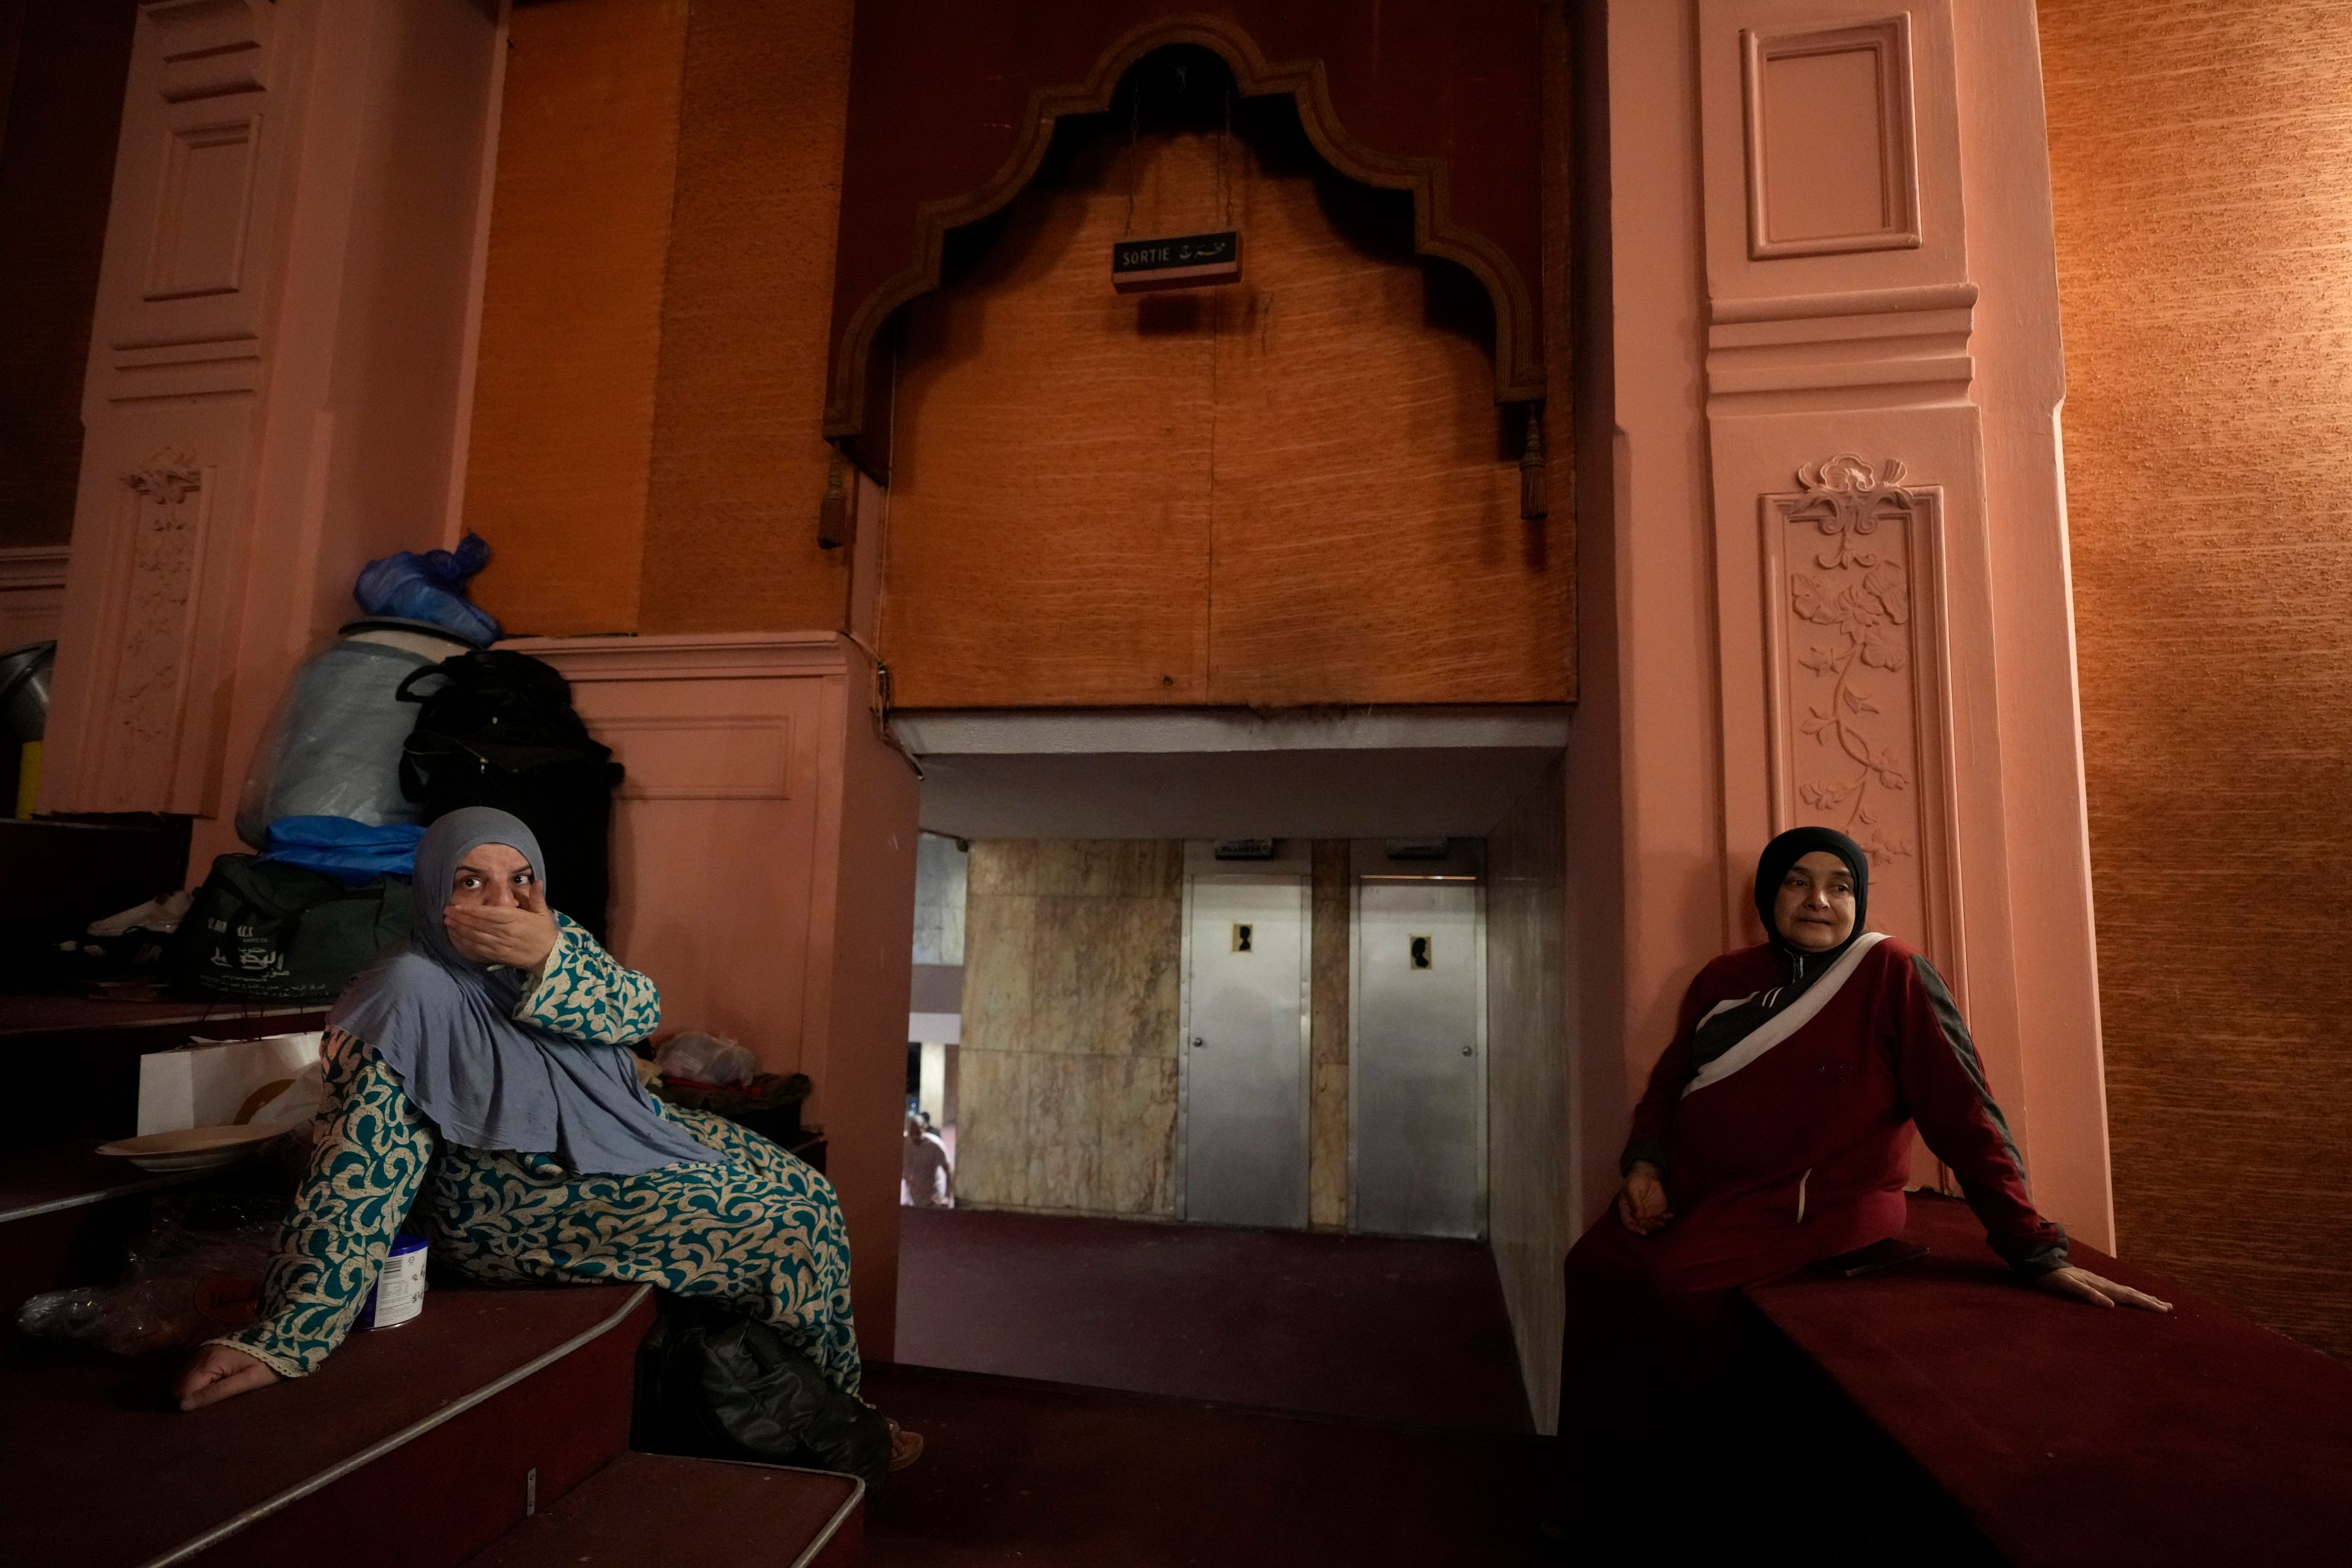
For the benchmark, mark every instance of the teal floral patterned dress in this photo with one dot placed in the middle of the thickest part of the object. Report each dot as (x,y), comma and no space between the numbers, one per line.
(761,1229)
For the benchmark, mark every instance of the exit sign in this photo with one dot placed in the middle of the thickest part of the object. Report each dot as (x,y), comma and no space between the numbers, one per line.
(1184,261)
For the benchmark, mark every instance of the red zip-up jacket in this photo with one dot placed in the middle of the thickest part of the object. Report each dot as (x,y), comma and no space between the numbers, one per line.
(1803,1153)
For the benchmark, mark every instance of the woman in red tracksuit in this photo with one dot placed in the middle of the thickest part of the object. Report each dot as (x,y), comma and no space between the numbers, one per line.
(1776,1131)
(1776,1128)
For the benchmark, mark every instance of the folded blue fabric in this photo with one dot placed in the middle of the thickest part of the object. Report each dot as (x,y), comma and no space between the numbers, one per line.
(430,586)
(352,853)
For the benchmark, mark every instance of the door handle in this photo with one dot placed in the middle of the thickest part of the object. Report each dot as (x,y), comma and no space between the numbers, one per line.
(1465,1050)
(1198,1042)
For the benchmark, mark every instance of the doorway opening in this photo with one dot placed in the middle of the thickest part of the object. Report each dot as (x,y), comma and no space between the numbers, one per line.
(1224,1027)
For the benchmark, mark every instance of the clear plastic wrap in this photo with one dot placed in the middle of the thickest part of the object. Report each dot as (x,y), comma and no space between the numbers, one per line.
(332,749)
(711,1059)
(198,1272)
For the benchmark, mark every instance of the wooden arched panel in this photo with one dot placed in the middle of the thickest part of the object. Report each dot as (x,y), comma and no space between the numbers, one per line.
(1296,489)
(952,107)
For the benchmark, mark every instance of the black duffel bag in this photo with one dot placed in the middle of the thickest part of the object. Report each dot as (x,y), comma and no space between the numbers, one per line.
(714,1384)
(284,933)
(498,728)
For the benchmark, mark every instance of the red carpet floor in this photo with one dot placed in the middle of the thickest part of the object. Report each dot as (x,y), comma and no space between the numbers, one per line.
(1066,1478)
(1362,1327)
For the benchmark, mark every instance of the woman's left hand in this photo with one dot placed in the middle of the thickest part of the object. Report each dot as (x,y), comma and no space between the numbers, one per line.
(2081,1285)
(521,935)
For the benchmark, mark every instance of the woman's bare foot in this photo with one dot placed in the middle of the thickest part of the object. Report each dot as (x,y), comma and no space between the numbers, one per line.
(906,1447)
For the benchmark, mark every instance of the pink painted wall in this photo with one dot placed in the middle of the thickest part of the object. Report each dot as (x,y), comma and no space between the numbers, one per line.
(2021,386)
(1740,338)
(1645,867)
(276,381)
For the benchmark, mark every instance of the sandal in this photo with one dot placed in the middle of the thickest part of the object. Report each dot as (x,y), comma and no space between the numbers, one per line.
(906,1447)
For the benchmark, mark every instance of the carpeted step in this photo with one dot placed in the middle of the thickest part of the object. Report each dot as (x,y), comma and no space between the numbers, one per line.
(65,1214)
(72,1063)
(414,1446)
(651,1511)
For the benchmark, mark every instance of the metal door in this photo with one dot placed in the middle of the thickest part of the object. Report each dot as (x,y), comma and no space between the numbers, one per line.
(1245,1050)
(1417,1060)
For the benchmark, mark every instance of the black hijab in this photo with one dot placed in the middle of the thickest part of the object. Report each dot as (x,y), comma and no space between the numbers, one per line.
(1725,1029)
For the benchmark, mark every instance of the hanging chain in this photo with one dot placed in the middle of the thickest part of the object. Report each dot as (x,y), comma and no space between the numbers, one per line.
(1134,154)
(1224,180)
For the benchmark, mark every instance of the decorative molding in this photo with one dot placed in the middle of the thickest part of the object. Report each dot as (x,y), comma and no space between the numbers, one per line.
(228,364)
(1955,296)
(1896,357)
(1861,601)
(149,644)
(26,567)
(211,47)
(1519,364)
(744,756)
(168,478)
(1866,347)
(698,656)
(32,594)
(1887,42)
(203,208)
(1860,722)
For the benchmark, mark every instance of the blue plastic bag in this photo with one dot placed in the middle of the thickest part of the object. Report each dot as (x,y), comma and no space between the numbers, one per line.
(430,587)
(352,853)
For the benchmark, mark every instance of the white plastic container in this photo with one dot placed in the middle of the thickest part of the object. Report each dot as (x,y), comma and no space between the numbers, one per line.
(399,1293)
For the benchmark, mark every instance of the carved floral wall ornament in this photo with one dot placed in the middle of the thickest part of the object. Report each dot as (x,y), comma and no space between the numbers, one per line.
(1857,601)
(167,546)
(168,477)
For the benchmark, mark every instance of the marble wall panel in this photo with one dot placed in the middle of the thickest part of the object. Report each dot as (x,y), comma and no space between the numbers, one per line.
(1100,867)
(940,876)
(991,1127)
(996,967)
(1067,1099)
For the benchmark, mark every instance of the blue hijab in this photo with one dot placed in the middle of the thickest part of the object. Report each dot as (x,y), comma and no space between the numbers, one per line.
(446,1027)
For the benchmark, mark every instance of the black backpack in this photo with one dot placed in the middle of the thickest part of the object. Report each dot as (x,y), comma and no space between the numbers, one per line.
(498,729)
(265,929)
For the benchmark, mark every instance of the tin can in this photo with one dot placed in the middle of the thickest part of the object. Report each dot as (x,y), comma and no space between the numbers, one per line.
(399,1293)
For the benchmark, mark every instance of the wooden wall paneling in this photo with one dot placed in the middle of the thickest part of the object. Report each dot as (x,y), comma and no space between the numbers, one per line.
(2201,159)
(1294,490)
(1048,535)
(952,107)
(1365,487)
(557,473)
(62,66)
(738,459)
